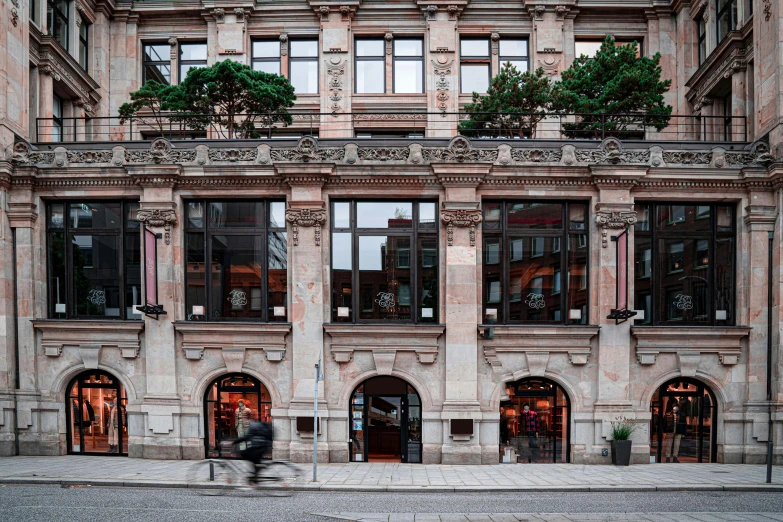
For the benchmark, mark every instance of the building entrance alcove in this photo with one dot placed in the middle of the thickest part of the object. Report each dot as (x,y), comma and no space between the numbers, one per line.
(684,416)
(95,411)
(535,422)
(385,417)
(230,403)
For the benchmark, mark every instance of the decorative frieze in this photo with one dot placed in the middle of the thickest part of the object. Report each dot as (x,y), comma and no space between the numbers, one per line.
(158,215)
(462,215)
(304,214)
(307,150)
(610,218)
(335,72)
(442,67)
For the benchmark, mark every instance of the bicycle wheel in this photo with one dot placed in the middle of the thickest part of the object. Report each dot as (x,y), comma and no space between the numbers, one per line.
(213,477)
(277,478)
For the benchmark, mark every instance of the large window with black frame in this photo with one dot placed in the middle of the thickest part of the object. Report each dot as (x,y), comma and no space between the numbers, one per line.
(236,261)
(94,260)
(684,263)
(384,261)
(535,262)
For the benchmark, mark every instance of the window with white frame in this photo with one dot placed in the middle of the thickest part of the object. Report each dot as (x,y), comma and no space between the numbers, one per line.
(266,56)
(191,56)
(370,66)
(474,65)
(303,66)
(408,66)
(514,50)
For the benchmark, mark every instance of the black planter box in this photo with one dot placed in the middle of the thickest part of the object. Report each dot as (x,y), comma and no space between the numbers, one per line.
(621,452)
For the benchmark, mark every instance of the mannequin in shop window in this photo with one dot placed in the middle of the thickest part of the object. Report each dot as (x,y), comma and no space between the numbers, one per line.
(242,421)
(675,427)
(529,422)
(113,425)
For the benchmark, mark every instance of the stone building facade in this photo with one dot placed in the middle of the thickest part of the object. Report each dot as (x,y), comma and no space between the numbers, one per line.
(457,292)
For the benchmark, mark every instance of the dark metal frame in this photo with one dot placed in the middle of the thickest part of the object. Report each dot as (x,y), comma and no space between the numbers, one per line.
(618,40)
(121,233)
(504,59)
(155,310)
(404,406)
(621,315)
(412,233)
(701,39)
(729,10)
(553,394)
(700,388)
(419,59)
(84,41)
(266,59)
(657,271)
(378,58)
(57,121)
(208,232)
(313,59)
(565,234)
(145,62)
(475,60)
(55,12)
(256,388)
(181,62)
(119,390)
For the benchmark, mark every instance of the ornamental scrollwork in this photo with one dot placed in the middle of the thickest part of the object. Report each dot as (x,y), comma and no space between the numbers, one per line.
(460,151)
(335,71)
(683,302)
(442,71)
(611,219)
(395,154)
(157,217)
(537,155)
(89,156)
(686,157)
(233,155)
(306,217)
(307,150)
(463,218)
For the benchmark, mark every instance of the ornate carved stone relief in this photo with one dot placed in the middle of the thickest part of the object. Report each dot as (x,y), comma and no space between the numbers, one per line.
(460,150)
(307,150)
(306,217)
(384,154)
(442,68)
(463,217)
(158,217)
(335,70)
(607,218)
(233,155)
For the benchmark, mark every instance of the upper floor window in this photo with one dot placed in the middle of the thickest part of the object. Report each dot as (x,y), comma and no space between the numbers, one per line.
(590,47)
(514,51)
(57,118)
(84,51)
(370,66)
(408,66)
(157,63)
(236,261)
(57,14)
(303,66)
(474,65)
(191,56)
(535,262)
(384,261)
(702,34)
(727,18)
(94,260)
(34,11)
(266,56)
(684,259)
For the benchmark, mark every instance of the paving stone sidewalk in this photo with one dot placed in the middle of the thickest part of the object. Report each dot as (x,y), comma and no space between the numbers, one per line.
(554,517)
(410,477)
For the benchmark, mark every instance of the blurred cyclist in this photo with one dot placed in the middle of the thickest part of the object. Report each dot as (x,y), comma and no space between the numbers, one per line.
(259,442)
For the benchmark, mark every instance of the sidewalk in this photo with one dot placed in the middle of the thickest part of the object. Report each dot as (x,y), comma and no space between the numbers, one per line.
(121,471)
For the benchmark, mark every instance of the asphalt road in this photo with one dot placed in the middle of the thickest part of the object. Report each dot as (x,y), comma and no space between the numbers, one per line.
(69,504)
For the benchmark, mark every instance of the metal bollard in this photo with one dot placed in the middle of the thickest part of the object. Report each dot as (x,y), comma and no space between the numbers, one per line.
(211,471)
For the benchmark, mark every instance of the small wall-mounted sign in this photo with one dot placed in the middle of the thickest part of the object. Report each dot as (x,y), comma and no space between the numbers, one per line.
(426,313)
(198,310)
(343,311)
(305,424)
(720,315)
(462,426)
(279,311)
(575,314)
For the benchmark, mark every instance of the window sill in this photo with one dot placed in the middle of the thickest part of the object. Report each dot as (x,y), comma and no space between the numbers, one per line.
(233,339)
(385,341)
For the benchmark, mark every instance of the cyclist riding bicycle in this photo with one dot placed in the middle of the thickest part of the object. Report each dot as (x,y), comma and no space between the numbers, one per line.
(259,438)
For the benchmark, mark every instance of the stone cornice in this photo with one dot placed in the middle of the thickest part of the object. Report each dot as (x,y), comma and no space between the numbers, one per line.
(689,344)
(728,57)
(384,341)
(233,340)
(21,214)
(89,338)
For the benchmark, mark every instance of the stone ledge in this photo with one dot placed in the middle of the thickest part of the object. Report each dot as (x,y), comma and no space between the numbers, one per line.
(384,341)
(690,343)
(537,342)
(233,339)
(89,337)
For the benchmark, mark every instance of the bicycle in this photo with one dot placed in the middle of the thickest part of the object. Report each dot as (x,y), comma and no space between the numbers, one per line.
(216,477)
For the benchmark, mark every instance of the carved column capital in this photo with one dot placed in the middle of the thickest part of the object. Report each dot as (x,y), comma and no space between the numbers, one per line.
(608,216)
(462,215)
(389,39)
(306,214)
(158,215)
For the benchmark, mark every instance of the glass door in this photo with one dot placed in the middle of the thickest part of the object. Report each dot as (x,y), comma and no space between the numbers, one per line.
(683,415)
(97,415)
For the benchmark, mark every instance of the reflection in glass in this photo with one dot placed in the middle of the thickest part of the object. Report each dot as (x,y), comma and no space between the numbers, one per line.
(304,76)
(384,214)
(237,266)
(384,265)
(231,403)
(577,278)
(277,278)
(428,278)
(685,282)
(370,75)
(96,407)
(195,292)
(474,78)
(96,275)
(532,295)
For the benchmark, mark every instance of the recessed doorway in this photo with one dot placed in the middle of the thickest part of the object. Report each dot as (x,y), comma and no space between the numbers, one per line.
(96,414)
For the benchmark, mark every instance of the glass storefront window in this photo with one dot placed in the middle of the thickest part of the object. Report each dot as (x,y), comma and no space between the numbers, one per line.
(246,245)
(683,413)
(684,265)
(535,262)
(94,260)
(97,415)
(384,261)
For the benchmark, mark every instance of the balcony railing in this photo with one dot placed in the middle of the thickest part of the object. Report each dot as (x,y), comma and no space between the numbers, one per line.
(385,125)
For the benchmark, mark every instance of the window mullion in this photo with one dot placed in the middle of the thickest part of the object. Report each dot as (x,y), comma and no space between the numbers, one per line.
(121,261)
(265,264)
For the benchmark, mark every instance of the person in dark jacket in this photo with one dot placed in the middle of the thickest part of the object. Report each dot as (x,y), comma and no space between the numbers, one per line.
(259,441)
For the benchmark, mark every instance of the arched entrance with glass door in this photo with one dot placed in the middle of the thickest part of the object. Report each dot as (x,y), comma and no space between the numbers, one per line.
(95,412)
(684,416)
(535,422)
(385,421)
(230,403)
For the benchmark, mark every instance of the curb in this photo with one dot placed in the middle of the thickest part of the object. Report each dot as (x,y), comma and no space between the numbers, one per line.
(601,488)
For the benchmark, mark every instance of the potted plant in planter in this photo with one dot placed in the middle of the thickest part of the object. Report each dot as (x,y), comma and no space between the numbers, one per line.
(622,429)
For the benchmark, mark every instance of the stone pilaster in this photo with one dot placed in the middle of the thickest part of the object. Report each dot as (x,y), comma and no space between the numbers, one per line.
(461,215)
(307,216)
(7,327)
(738,102)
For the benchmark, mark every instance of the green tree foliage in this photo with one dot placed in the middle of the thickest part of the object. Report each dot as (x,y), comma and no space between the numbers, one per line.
(610,91)
(148,105)
(514,105)
(228,97)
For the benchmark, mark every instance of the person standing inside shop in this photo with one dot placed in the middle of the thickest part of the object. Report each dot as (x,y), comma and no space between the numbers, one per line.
(676,427)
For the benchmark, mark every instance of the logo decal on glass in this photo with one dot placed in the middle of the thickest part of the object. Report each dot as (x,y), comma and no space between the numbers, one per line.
(385,300)
(97,297)
(535,301)
(237,298)
(683,302)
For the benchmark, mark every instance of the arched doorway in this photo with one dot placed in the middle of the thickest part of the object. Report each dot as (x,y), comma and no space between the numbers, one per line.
(385,417)
(230,403)
(95,411)
(684,415)
(535,422)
